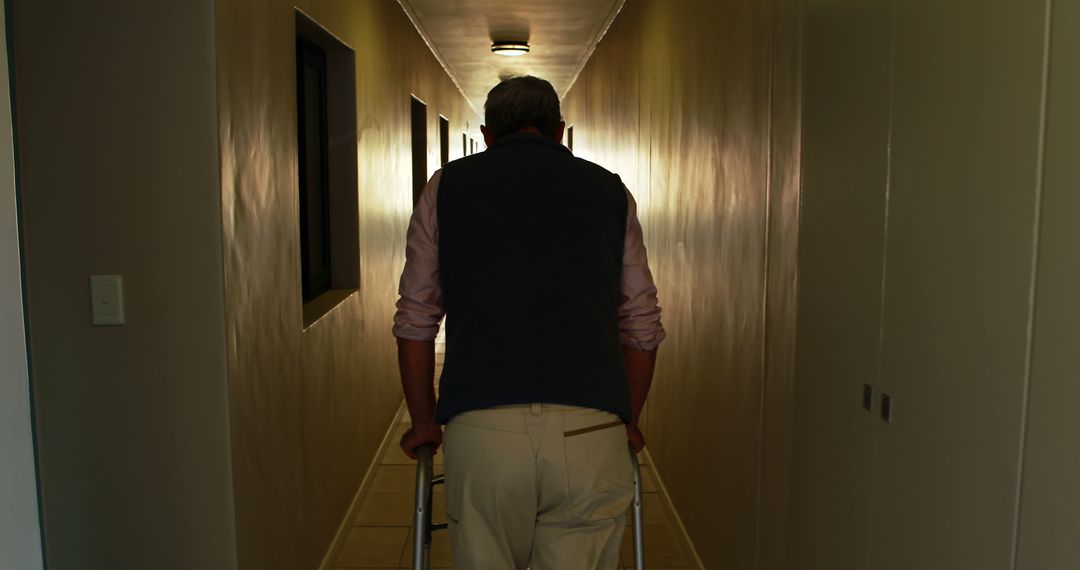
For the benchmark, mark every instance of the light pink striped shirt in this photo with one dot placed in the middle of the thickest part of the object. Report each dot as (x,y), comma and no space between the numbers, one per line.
(420,306)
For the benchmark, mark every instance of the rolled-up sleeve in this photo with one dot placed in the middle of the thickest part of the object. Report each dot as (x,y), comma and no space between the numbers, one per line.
(420,302)
(639,312)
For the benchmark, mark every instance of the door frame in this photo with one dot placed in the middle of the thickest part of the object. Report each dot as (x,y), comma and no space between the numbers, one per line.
(21,544)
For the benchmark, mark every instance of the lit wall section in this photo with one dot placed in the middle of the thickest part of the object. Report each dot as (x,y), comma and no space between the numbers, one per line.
(309,407)
(696,104)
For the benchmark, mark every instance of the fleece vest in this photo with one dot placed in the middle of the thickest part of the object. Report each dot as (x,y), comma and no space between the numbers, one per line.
(530,258)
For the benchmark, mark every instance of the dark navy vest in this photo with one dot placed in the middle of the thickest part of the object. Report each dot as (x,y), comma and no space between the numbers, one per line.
(530,257)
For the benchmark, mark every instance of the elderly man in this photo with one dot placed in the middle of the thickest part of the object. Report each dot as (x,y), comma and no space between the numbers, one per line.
(537,261)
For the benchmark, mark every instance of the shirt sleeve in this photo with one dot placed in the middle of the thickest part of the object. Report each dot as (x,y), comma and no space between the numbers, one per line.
(420,302)
(639,312)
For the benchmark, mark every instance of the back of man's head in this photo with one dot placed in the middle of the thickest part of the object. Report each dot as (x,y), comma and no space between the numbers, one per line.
(522,102)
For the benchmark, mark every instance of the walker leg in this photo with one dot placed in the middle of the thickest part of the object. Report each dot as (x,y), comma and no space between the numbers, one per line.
(638,514)
(422,512)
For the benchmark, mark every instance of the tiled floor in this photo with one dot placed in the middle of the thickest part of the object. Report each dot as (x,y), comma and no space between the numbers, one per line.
(381,534)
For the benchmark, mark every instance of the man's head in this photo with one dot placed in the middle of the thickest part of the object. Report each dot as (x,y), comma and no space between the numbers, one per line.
(522,104)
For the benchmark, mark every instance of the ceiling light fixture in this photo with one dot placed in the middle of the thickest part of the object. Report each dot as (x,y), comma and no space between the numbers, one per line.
(510,48)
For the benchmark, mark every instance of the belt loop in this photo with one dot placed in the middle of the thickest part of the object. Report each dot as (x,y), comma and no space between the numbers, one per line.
(536,409)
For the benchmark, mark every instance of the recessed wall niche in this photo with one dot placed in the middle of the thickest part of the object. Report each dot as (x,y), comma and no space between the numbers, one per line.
(326,164)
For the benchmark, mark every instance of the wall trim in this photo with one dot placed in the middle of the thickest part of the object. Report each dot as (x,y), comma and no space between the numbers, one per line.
(338,542)
(435,52)
(673,515)
(615,10)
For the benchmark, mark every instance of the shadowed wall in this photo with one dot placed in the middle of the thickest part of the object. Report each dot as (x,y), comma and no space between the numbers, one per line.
(118,166)
(938,264)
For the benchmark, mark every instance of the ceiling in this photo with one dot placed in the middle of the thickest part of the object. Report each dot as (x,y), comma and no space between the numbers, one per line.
(561,33)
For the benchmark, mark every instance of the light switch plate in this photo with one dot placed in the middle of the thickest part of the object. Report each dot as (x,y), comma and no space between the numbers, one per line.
(107,299)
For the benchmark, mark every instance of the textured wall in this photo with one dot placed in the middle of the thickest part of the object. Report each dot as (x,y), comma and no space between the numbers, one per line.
(117,132)
(310,406)
(696,105)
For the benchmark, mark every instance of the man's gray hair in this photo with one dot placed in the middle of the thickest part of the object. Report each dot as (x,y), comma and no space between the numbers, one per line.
(521,102)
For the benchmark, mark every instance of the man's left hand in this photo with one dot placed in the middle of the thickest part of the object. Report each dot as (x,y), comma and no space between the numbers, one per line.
(634,436)
(417,436)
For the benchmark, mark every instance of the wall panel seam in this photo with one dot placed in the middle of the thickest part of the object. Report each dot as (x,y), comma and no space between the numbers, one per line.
(1040,172)
(765,298)
(884,278)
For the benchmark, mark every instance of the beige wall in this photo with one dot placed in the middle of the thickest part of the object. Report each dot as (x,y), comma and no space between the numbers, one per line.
(1050,508)
(310,407)
(119,174)
(696,105)
(845,137)
(923,172)
(20,534)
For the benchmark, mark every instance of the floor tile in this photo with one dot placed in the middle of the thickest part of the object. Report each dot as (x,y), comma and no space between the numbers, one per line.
(372,547)
(653,509)
(385,509)
(441,556)
(648,482)
(395,456)
(394,479)
(662,548)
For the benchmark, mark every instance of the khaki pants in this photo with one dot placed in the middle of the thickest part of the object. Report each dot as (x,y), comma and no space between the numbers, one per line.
(543,486)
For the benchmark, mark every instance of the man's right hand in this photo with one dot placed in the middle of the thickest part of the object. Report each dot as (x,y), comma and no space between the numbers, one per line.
(420,435)
(634,436)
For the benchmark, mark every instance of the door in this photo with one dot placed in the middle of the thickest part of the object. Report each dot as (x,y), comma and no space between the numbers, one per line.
(968,89)
(841,247)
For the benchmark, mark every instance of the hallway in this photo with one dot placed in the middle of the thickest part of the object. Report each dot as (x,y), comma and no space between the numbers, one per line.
(860,216)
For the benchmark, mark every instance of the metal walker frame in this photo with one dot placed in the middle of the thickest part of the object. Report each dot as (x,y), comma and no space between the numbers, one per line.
(423,526)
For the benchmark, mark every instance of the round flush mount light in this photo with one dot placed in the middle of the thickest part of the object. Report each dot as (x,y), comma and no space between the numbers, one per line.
(510,48)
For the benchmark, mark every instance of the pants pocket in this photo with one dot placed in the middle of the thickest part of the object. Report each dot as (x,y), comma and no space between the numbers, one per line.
(599,473)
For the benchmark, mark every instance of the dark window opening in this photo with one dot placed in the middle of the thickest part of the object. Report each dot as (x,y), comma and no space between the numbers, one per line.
(326,162)
(419,147)
(314,168)
(570,138)
(444,140)
(464,145)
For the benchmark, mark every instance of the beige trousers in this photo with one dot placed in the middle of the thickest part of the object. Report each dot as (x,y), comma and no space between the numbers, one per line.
(540,486)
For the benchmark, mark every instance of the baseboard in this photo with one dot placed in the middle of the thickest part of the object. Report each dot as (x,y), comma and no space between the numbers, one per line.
(350,515)
(673,515)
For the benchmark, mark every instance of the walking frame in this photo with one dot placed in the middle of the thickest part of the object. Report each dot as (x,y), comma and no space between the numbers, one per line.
(423,525)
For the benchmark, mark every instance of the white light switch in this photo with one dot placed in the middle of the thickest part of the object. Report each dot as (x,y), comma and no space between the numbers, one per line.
(107,299)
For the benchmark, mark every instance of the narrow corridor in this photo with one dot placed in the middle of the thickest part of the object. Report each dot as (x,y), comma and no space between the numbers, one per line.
(860,216)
